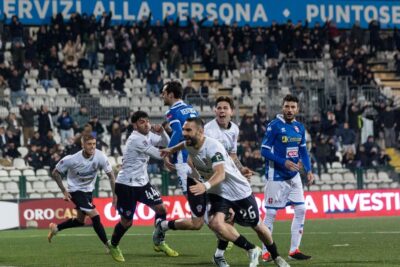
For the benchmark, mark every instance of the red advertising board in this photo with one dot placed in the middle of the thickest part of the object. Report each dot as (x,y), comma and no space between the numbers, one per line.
(320,205)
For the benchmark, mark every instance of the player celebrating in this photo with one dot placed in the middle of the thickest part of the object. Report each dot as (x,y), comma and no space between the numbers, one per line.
(284,145)
(177,114)
(133,184)
(81,169)
(226,189)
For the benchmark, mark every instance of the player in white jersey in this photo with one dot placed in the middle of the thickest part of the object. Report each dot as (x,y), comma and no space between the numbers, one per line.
(133,183)
(226,189)
(81,170)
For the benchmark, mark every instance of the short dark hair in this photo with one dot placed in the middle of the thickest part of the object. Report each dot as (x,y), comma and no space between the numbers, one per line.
(174,87)
(225,99)
(139,115)
(197,120)
(87,137)
(290,98)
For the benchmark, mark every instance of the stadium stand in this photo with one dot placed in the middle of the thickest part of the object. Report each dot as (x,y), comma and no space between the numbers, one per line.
(99,75)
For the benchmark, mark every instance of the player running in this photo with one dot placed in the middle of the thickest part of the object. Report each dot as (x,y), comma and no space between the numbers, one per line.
(133,184)
(81,169)
(284,145)
(226,189)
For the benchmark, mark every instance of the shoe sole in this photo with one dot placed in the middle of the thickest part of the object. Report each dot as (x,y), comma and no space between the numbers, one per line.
(291,258)
(213,261)
(157,249)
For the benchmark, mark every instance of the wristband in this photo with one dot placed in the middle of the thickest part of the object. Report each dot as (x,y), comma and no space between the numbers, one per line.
(207,185)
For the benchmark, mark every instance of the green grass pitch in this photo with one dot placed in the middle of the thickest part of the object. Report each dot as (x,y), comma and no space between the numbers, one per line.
(346,242)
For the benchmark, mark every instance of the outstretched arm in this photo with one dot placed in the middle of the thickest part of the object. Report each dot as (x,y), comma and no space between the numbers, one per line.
(57,177)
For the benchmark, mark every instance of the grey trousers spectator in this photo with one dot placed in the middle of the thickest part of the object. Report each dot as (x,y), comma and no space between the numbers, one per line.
(390,137)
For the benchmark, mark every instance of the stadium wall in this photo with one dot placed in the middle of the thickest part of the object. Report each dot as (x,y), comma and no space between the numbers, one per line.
(252,12)
(320,205)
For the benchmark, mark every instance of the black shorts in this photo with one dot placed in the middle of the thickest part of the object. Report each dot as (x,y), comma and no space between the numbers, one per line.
(198,204)
(83,200)
(128,196)
(246,210)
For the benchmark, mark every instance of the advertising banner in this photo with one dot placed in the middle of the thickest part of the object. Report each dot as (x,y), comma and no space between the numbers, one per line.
(9,215)
(320,205)
(252,12)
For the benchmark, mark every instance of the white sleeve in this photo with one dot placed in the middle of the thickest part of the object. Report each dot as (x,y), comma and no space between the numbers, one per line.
(217,154)
(63,165)
(105,164)
(160,140)
(235,140)
(143,146)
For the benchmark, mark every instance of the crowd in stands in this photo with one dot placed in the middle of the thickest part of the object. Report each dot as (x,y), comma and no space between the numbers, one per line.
(63,49)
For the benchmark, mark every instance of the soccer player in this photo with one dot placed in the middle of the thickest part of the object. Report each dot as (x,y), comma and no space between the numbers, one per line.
(81,169)
(284,146)
(176,116)
(226,189)
(133,184)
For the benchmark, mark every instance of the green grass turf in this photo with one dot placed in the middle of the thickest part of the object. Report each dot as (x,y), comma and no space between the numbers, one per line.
(345,242)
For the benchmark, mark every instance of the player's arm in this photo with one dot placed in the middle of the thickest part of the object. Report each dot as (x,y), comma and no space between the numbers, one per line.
(57,177)
(218,176)
(305,159)
(111,177)
(176,136)
(165,152)
(244,170)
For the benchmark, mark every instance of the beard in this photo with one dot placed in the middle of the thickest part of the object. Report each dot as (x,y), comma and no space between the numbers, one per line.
(191,141)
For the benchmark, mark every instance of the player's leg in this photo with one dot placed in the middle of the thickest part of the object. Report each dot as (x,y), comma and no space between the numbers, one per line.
(276,194)
(247,214)
(296,197)
(182,171)
(97,225)
(126,205)
(79,199)
(159,236)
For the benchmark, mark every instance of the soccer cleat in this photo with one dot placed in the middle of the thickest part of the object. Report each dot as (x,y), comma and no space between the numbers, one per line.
(297,255)
(266,257)
(230,246)
(52,231)
(279,261)
(158,234)
(254,254)
(220,261)
(115,252)
(163,247)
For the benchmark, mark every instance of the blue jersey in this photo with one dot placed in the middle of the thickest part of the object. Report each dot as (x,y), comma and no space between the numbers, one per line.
(176,116)
(284,141)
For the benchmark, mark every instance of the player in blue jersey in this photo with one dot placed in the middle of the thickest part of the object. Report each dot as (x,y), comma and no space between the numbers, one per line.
(176,116)
(284,147)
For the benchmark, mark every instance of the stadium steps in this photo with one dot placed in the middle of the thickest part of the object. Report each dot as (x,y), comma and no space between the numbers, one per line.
(394,154)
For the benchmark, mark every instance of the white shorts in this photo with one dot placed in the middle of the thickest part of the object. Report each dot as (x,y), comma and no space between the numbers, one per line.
(182,170)
(279,194)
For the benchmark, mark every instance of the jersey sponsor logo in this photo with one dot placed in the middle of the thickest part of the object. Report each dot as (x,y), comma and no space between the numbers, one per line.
(218,157)
(292,152)
(285,139)
(269,129)
(296,129)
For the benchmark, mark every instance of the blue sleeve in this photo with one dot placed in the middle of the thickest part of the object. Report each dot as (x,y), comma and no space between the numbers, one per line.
(305,159)
(267,144)
(176,137)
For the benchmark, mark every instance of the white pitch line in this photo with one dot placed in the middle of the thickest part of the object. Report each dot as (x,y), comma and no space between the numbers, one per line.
(194,233)
(340,245)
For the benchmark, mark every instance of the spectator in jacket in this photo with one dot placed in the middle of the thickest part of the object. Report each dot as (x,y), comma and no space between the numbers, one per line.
(45,120)
(45,77)
(174,62)
(153,79)
(65,125)
(33,158)
(348,138)
(80,119)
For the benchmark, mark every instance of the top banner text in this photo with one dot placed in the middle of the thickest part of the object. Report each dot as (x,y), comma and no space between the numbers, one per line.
(252,12)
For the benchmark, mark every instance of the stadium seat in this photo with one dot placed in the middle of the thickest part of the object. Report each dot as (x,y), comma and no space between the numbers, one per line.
(48,195)
(337,178)
(314,187)
(4,175)
(103,194)
(326,178)
(34,195)
(326,187)
(52,186)
(349,177)
(42,172)
(371,176)
(336,165)
(14,175)
(12,187)
(394,185)
(349,186)
(383,177)
(23,151)
(2,188)
(337,187)
(372,186)
(29,174)
(7,196)
(105,185)
(39,187)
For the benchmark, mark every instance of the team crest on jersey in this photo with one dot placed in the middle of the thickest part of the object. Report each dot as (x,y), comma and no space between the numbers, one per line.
(199,208)
(270,200)
(296,129)
(269,129)
(169,116)
(145,143)
(128,213)
(283,130)
(94,167)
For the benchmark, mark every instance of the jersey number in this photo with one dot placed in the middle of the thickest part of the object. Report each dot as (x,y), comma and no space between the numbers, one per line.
(153,194)
(249,213)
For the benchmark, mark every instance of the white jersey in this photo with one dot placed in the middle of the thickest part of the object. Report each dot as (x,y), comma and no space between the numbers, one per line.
(235,186)
(227,137)
(139,148)
(81,171)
